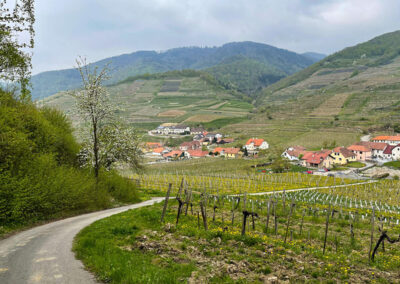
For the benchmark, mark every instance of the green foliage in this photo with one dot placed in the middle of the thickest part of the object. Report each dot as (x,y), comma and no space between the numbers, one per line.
(39,176)
(393,164)
(261,64)
(221,122)
(375,52)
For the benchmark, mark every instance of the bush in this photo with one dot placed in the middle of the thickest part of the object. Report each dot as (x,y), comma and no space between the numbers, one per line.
(39,175)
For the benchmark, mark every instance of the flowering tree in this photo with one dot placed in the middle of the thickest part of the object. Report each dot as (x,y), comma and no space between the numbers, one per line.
(107,141)
(15,60)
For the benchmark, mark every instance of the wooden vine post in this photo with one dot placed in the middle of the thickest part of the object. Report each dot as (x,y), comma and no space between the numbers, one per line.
(166,202)
(372,232)
(326,227)
(288,221)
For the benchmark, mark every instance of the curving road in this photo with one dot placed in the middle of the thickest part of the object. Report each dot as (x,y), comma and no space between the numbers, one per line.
(43,254)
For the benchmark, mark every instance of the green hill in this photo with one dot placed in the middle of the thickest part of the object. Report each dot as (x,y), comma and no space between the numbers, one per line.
(351,92)
(188,96)
(271,64)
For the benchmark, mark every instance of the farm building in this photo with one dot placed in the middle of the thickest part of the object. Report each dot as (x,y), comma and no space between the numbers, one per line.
(191,145)
(362,152)
(294,153)
(320,159)
(391,140)
(342,156)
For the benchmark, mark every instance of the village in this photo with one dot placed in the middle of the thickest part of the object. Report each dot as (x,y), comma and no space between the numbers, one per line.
(378,150)
(204,144)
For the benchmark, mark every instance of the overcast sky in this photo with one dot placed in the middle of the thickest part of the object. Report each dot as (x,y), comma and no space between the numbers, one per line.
(102,28)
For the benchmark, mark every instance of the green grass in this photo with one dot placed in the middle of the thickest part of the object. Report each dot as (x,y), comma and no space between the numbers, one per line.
(355,165)
(134,247)
(221,122)
(102,248)
(393,164)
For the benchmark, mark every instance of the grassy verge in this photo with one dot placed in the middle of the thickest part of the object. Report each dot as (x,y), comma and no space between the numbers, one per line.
(393,164)
(355,165)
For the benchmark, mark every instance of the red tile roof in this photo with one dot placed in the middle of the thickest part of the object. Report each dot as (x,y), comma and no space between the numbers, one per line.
(173,153)
(345,152)
(197,153)
(231,150)
(218,149)
(257,142)
(373,145)
(316,157)
(387,138)
(389,149)
(361,148)
(158,150)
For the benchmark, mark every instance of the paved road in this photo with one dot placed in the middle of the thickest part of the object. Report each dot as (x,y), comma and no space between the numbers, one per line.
(43,254)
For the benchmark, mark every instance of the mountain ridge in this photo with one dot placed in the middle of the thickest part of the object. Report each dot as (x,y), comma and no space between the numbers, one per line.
(197,58)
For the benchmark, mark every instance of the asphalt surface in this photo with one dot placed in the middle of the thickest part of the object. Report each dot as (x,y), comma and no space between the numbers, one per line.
(43,254)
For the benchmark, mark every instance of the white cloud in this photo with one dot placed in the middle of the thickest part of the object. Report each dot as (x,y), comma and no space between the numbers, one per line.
(100,29)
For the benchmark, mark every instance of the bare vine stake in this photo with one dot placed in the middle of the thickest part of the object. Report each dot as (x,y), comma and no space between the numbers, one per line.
(204,214)
(166,202)
(288,221)
(198,219)
(326,227)
(372,232)
(275,220)
(233,211)
(268,209)
(302,221)
(284,200)
(252,215)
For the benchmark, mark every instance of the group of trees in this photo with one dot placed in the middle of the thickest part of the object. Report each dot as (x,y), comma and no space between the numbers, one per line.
(44,172)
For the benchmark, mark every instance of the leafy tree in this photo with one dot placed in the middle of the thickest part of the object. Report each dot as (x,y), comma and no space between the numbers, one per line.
(15,61)
(107,141)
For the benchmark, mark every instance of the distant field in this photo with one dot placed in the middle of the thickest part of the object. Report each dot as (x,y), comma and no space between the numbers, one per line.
(331,106)
(171,113)
(203,118)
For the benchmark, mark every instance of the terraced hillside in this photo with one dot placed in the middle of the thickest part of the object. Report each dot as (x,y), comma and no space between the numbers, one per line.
(351,92)
(169,97)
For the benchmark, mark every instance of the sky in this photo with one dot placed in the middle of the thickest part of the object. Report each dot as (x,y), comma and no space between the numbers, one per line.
(98,29)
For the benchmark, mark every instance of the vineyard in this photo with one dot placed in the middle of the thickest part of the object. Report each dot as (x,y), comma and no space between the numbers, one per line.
(251,228)
(237,184)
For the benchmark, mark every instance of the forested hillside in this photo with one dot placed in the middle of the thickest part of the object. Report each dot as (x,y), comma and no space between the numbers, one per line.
(39,172)
(226,63)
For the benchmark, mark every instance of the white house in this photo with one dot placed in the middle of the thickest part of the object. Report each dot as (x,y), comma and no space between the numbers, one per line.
(255,144)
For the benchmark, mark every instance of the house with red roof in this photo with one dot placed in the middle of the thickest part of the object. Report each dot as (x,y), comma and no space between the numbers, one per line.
(294,153)
(377,149)
(196,154)
(362,152)
(319,159)
(254,144)
(232,153)
(391,153)
(174,154)
(191,145)
(342,156)
(159,151)
(391,140)
(228,152)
